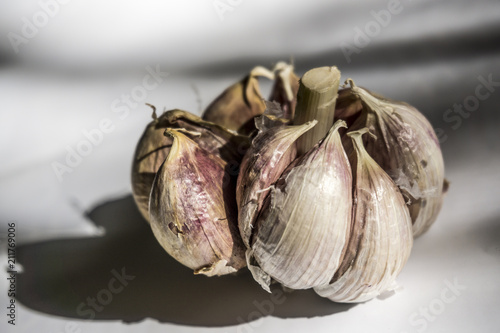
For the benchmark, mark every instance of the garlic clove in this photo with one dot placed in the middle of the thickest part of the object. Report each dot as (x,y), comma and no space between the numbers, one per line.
(405,146)
(303,226)
(285,88)
(236,107)
(270,154)
(193,210)
(381,236)
(153,148)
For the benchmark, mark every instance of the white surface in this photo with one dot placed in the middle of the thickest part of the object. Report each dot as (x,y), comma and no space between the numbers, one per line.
(65,80)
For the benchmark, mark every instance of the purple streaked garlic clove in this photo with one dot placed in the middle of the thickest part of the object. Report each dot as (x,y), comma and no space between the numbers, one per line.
(193,211)
(153,148)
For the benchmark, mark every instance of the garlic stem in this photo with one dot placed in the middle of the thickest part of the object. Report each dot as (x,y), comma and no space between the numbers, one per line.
(316,101)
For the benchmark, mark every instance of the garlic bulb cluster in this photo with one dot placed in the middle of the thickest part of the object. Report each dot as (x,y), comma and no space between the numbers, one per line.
(317,188)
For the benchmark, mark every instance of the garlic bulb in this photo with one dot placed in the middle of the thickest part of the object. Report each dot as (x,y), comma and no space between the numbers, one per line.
(405,146)
(381,237)
(309,202)
(193,211)
(236,107)
(154,146)
(304,223)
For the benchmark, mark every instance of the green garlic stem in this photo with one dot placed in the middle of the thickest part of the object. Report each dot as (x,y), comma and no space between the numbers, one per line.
(316,101)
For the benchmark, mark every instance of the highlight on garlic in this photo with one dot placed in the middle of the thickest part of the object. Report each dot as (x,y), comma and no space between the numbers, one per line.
(319,187)
(299,239)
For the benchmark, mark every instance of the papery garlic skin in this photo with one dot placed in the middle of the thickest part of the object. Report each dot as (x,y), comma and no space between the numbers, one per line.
(406,147)
(381,236)
(271,152)
(348,106)
(153,148)
(236,106)
(284,91)
(304,223)
(193,211)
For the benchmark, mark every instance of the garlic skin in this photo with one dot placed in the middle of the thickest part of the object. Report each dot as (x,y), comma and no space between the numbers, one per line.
(405,145)
(271,152)
(193,211)
(303,226)
(381,236)
(348,106)
(236,107)
(153,148)
(285,88)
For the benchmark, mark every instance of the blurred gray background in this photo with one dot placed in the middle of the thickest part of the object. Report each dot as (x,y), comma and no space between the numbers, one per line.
(68,67)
